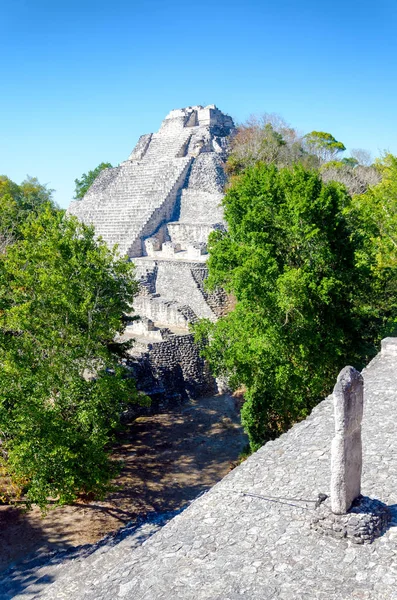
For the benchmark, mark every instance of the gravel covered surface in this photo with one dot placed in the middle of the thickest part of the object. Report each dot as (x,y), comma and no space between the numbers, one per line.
(250,537)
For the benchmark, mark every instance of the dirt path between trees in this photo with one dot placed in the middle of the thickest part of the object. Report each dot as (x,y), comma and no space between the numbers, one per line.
(169,458)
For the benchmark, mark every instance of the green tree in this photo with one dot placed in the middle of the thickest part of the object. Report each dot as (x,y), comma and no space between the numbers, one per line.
(87,179)
(350,161)
(288,259)
(33,195)
(62,388)
(355,177)
(373,217)
(269,139)
(376,214)
(17,203)
(323,145)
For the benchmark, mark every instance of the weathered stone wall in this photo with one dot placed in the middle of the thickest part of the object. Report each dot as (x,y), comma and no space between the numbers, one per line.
(175,281)
(179,357)
(140,149)
(188,233)
(159,206)
(129,202)
(178,281)
(163,312)
(207,174)
(172,369)
(160,215)
(217,300)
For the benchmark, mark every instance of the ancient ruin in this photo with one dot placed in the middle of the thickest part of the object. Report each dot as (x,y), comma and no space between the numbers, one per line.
(346,457)
(348,514)
(250,535)
(159,206)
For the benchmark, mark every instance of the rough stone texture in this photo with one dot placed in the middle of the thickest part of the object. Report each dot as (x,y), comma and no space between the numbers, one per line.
(250,537)
(128,203)
(366,520)
(190,233)
(171,367)
(38,571)
(173,296)
(160,206)
(346,454)
(389,346)
(165,312)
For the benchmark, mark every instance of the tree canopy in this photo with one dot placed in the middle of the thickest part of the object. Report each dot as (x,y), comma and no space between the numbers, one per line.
(357,178)
(289,259)
(323,145)
(267,139)
(17,203)
(373,218)
(87,179)
(62,390)
(376,211)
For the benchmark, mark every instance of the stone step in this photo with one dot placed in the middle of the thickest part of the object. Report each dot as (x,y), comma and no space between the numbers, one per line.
(140,193)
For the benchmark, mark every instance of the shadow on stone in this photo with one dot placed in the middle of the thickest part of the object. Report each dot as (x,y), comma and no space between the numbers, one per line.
(366,520)
(29,577)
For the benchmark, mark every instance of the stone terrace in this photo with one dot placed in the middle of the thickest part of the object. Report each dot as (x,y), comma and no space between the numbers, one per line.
(173,175)
(249,536)
(160,206)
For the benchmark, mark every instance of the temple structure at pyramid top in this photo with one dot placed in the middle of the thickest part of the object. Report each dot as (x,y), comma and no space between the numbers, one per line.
(170,185)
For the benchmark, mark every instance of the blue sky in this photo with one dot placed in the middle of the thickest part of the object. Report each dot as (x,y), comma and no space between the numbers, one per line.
(81,80)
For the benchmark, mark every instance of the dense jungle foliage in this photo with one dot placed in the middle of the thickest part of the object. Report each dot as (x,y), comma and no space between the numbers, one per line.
(62,387)
(310,257)
(311,264)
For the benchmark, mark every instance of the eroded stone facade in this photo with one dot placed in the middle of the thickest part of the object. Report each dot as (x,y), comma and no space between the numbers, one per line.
(160,206)
(346,457)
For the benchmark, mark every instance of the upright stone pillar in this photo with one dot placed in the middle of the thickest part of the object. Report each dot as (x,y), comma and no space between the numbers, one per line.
(346,452)
(347,514)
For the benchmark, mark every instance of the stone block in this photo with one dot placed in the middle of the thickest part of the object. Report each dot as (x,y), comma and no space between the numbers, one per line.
(196,250)
(367,519)
(169,249)
(140,326)
(141,147)
(346,451)
(389,346)
(152,245)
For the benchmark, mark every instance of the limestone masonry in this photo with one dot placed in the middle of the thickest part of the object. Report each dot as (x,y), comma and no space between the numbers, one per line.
(250,537)
(346,457)
(159,206)
(348,514)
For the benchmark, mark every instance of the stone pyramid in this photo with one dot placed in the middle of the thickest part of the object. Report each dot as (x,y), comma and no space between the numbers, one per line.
(174,176)
(159,206)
